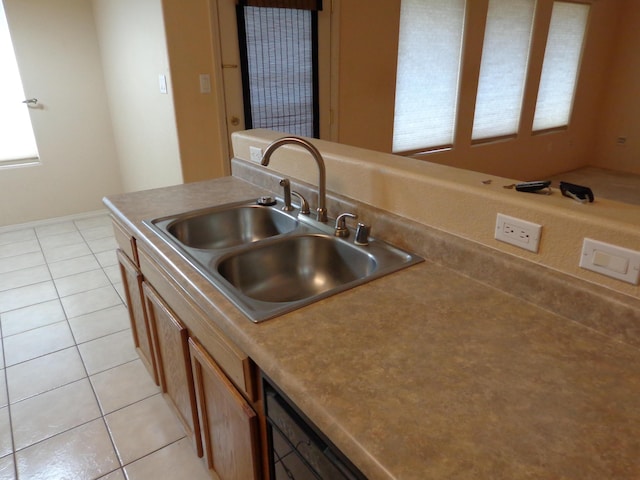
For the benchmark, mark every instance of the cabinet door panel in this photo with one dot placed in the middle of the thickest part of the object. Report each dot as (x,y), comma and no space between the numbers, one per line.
(229,424)
(233,361)
(174,364)
(132,280)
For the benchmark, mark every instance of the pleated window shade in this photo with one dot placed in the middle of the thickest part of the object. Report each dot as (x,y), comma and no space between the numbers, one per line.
(503,68)
(280,70)
(429,52)
(561,65)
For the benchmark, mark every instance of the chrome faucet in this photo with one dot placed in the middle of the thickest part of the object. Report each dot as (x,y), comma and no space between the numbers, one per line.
(321,211)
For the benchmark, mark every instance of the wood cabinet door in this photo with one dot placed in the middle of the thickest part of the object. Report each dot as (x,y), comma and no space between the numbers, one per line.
(132,280)
(229,424)
(173,362)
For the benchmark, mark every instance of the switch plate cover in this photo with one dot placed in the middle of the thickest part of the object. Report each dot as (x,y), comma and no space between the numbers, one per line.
(162,83)
(611,260)
(205,83)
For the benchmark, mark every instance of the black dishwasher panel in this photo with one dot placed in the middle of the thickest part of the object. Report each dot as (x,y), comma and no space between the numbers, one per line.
(297,449)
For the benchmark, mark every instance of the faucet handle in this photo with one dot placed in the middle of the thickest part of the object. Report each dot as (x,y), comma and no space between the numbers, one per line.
(304,205)
(340,228)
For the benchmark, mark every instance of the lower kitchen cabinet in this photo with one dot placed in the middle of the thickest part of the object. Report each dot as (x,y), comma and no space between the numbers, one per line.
(209,382)
(132,280)
(230,427)
(173,363)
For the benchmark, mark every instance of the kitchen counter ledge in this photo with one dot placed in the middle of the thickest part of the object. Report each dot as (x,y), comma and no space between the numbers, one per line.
(428,373)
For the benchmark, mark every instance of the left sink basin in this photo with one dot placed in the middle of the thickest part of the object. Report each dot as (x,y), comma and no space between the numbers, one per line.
(227,226)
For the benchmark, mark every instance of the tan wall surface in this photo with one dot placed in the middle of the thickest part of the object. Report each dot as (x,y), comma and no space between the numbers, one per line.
(368,47)
(189,33)
(457,201)
(621,109)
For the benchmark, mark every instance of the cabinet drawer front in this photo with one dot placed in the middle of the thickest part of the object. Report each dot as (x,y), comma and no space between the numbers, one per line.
(233,361)
(125,241)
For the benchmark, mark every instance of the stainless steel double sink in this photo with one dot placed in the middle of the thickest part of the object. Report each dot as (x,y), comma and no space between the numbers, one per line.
(268,261)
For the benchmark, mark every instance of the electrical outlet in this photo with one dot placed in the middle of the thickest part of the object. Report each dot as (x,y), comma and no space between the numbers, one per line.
(255,153)
(518,232)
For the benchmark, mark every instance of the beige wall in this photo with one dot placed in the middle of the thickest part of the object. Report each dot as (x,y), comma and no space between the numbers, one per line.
(621,108)
(59,60)
(368,47)
(457,201)
(79,143)
(202,139)
(367,55)
(134,54)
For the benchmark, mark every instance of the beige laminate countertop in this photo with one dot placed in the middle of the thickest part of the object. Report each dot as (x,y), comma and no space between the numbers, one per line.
(428,374)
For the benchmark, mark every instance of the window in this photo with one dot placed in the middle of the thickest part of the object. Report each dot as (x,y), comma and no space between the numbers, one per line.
(503,70)
(279,60)
(429,52)
(17,142)
(561,65)
(428,70)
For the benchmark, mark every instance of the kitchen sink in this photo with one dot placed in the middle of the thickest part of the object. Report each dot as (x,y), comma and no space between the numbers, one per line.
(295,268)
(227,226)
(268,261)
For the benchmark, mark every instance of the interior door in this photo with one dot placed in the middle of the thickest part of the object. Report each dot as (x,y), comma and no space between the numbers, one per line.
(230,74)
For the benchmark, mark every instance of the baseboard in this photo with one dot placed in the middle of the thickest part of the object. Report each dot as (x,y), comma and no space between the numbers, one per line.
(48,221)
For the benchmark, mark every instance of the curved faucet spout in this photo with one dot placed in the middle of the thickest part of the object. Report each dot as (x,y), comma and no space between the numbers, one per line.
(321,215)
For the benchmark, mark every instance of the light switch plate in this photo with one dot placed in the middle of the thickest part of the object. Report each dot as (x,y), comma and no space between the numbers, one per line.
(162,83)
(611,260)
(205,83)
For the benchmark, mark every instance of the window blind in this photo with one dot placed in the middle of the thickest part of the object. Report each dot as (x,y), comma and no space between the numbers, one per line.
(561,65)
(279,68)
(429,53)
(503,68)
(314,5)
(17,141)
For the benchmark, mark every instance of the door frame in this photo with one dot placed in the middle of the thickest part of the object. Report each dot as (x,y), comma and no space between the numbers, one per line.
(228,79)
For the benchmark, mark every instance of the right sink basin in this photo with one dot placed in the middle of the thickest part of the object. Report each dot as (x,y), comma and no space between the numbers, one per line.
(296,268)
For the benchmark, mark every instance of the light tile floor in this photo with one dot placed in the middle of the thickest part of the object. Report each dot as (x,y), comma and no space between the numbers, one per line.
(75,400)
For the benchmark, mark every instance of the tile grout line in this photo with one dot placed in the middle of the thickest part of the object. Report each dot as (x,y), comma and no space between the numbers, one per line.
(6,389)
(101,416)
(84,366)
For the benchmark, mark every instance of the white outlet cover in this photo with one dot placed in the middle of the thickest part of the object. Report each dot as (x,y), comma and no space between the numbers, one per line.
(518,232)
(256,154)
(611,260)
